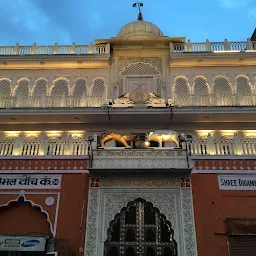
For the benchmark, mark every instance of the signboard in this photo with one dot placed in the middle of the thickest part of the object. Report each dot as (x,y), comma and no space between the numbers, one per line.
(237,182)
(32,181)
(22,243)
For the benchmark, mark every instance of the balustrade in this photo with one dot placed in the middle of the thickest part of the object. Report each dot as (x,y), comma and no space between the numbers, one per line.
(51,102)
(55,49)
(79,146)
(213,46)
(43,145)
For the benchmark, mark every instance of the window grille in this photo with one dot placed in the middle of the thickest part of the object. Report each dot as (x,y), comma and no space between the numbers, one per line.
(140,229)
(40,88)
(243,91)
(80,88)
(159,87)
(140,68)
(120,87)
(98,88)
(201,92)
(181,92)
(222,92)
(5,93)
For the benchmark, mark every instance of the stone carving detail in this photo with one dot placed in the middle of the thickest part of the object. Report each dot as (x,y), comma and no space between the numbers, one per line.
(140,183)
(130,159)
(91,242)
(176,204)
(138,96)
(122,62)
(188,222)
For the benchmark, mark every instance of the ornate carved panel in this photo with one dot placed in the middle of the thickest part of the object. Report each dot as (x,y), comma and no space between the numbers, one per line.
(105,202)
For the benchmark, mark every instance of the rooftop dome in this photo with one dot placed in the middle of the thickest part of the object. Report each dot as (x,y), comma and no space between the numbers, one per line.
(140,28)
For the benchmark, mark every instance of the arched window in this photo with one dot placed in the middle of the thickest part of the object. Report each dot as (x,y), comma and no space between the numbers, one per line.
(130,251)
(150,232)
(201,92)
(22,90)
(22,93)
(59,93)
(80,88)
(181,92)
(5,93)
(150,252)
(40,88)
(5,88)
(222,92)
(243,91)
(130,235)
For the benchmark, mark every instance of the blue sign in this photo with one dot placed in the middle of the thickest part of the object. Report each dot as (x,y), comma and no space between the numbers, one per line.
(30,243)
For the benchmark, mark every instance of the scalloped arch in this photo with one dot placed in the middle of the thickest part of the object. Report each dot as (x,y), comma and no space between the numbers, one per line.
(34,205)
(57,80)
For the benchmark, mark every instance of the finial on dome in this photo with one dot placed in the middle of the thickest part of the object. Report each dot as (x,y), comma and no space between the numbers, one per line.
(139,4)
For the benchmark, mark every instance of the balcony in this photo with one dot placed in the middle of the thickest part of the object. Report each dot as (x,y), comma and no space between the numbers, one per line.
(215,47)
(145,162)
(42,144)
(55,49)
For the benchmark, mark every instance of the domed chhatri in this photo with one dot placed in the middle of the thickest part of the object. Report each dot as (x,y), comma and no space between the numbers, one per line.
(140,28)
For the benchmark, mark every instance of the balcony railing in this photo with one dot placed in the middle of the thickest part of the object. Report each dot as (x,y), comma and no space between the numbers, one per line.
(43,146)
(55,49)
(179,100)
(220,99)
(213,46)
(70,144)
(51,101)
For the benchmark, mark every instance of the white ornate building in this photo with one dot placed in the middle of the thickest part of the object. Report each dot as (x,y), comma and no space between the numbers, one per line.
(57,100)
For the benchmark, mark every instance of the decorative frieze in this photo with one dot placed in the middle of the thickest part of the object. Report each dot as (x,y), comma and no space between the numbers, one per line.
(134,159)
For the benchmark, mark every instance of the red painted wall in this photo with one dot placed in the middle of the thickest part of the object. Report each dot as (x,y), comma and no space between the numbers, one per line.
(70,210)
(211,207)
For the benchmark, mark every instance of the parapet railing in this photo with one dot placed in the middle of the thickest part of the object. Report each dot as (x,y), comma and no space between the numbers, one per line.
(51,101)
(179,100)
(43,145)
(55,49)
(208,46)
(68,144)
(235,146)
(220,99)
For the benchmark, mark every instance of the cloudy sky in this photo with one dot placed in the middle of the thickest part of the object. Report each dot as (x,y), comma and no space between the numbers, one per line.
(82,21)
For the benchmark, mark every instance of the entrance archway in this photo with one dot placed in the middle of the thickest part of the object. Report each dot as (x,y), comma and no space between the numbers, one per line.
(140,229)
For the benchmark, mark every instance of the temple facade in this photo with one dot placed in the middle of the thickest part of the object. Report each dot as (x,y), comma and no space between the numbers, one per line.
(141,144)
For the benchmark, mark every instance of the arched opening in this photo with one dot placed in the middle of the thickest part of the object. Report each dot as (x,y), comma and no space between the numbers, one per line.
(139,222)
(150,252)
(243,91)
(130,235)
(222,92)
(181,93)
(40,93)
(201,95)
(130,215)
(59,93)
(5,93)
(113,251)
(129,252)
(21,93)
(150,236)
(22,218)
(149,217)
(167,251)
